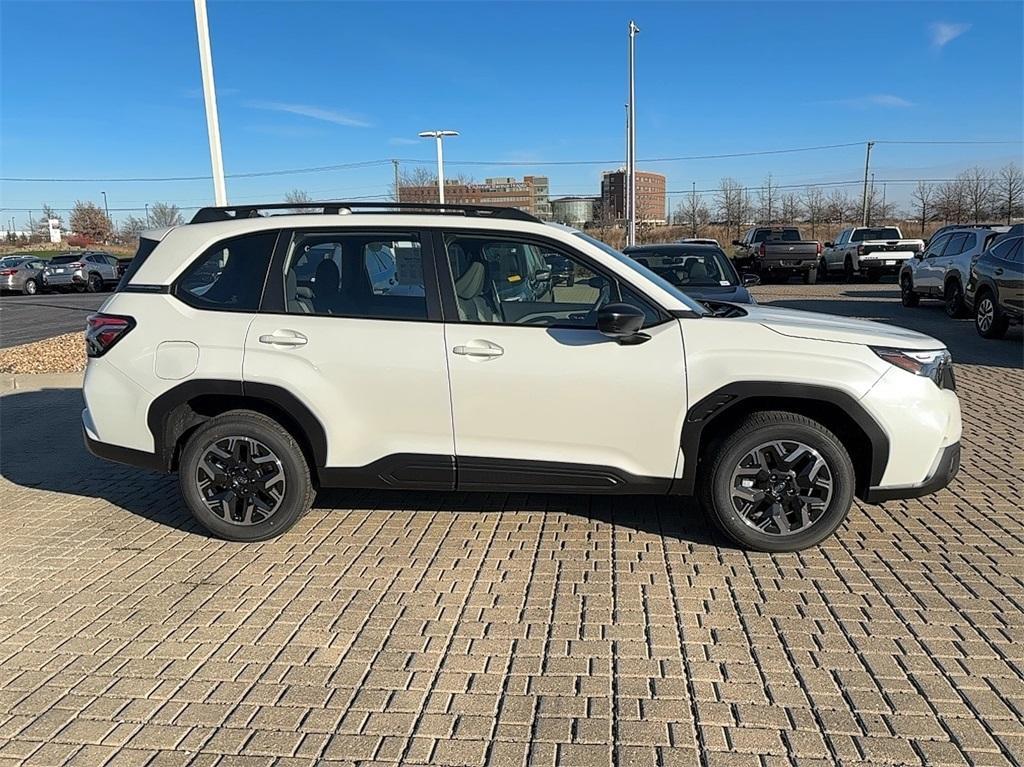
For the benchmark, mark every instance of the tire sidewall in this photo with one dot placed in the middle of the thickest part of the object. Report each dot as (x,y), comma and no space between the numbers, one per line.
(293,463)
(843,479)
(33,290)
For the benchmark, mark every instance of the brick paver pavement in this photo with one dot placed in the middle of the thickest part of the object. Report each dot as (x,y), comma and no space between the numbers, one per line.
(458,629)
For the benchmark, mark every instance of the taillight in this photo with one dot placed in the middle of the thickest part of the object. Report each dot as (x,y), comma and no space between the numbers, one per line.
(7,272)
(819,247)
(102,331)
(76,265)
(761,250)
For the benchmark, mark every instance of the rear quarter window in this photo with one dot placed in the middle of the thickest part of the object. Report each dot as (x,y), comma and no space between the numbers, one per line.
(230,275)
(146,247)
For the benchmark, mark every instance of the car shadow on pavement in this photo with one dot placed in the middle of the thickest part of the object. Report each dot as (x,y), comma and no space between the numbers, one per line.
(41,447)
(929,318)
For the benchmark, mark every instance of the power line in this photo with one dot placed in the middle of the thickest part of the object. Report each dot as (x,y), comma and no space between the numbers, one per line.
(499,163)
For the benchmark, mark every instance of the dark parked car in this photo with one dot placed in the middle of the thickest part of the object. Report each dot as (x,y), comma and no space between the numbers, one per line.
(703,272)
(996,287)
(952,227)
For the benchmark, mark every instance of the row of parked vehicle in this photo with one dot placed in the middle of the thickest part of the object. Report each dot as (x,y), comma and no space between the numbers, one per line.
(977,269)
(84,270)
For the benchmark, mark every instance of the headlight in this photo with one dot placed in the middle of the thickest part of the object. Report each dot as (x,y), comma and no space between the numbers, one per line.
(934,364)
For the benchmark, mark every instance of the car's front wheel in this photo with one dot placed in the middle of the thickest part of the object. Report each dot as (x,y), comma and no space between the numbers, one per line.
(244,477)
(989,321)
(908,297)
(822,269)
(954,300)
(848,269)
(780,482)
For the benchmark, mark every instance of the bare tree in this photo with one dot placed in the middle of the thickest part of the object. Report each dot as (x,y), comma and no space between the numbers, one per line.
(693,212)
(922,199)
(130,228)
(816,206)
(165,214)
(768,197)
(951,201)
(733,203)
(89,221)
(789,204)
(978,188)
(840,207)
(1009,192)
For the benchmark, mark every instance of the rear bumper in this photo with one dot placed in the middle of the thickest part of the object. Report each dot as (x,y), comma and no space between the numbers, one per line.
(125,455)
(789,264)
(883,265)
(63,280)
(947,464)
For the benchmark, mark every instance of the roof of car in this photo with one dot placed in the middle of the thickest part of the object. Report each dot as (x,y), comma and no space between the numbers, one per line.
(673,247)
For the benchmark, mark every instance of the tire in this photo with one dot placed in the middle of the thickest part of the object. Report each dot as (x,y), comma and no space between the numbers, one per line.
(30,288)
(291,487)
(94,284)
(823,269)
(811,276)
(848,269)
(989,321)
(954,300)
(908,297)
(762,431)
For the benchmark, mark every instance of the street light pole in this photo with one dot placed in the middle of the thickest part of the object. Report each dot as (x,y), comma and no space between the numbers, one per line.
(220,192)
(631,169)
(398,188)
(867,166)
(106,210)
(147,214)
(439,136)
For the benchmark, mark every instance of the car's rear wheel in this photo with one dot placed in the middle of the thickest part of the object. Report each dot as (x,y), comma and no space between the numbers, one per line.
(908,297)
(954,299)
(30,288)
(244,477)
(94,283)
(780,482)
(989,321)
(823,269)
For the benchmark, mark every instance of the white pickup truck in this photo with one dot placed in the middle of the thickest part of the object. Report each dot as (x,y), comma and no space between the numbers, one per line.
(869,251)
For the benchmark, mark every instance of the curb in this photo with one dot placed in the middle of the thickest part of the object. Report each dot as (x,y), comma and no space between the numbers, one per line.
(35,381)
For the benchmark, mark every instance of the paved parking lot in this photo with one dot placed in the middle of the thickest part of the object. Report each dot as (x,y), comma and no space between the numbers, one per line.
(458,629)
(24,319)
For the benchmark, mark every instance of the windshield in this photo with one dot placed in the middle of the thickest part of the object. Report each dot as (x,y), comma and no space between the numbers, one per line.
(705,268)
(881,233)
(658,280)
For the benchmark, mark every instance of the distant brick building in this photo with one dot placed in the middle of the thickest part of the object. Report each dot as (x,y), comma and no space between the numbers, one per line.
(529,195)
(650,195)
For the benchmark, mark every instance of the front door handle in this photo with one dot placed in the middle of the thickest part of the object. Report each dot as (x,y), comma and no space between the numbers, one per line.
(484,349)
(998,270)
(284,338)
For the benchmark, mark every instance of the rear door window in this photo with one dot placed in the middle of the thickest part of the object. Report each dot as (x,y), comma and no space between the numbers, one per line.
(228,276)
(957,244)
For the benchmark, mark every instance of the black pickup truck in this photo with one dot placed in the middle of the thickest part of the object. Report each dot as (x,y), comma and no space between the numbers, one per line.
(777,252)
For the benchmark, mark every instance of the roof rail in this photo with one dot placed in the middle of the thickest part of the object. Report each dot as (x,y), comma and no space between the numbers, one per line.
(232,212)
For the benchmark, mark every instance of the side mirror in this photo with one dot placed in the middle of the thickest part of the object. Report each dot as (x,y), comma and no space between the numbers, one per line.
(736,242)
(750,280)
(621,322)
(542,275)
(919,255)
(830,244)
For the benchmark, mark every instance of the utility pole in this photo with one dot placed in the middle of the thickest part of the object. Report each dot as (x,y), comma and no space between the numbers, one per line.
(398,189)
(220,192)
(631,230)
(871,199)
(625,181)
(883,204)
(147,214)
(867,166)
(693,207)
(106,210)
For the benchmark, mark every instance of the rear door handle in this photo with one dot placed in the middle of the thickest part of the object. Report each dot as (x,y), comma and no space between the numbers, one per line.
(284,338)
(479,349)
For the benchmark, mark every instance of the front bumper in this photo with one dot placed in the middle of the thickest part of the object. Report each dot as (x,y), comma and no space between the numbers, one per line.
(946,466)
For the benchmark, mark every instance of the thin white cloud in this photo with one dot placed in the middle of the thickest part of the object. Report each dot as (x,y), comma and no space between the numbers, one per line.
(873,100)
(313,112)
(944,32)
(399,141)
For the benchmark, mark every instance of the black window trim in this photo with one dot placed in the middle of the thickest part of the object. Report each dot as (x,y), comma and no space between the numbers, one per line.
(450,304)
(275,302)
(181,295)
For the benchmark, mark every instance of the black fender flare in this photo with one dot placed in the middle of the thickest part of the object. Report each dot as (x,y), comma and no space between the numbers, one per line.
(720,402)
(161,409)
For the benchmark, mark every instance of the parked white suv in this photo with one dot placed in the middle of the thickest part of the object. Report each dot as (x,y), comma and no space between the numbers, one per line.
(217,360)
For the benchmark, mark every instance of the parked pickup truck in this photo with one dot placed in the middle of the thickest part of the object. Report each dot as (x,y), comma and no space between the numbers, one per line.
(777,251)
(870,251)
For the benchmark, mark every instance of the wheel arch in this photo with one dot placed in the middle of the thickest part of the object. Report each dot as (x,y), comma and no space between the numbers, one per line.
(715,416)
(176,413)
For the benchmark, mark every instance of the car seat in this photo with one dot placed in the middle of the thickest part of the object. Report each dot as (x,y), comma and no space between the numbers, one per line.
(473,303)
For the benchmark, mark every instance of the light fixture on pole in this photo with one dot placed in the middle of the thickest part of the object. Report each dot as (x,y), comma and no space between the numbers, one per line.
(439,136)
(631,159)
(220,192)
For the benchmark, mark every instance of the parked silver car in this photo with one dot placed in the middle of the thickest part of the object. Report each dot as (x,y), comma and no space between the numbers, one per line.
(944,268)
(85,270)
(21,274)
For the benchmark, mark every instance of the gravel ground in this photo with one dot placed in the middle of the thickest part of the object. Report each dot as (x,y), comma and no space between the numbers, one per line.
(60,354)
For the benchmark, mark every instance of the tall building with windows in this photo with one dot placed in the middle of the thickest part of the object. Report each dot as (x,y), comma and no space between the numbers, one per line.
(529,194)
(650,195)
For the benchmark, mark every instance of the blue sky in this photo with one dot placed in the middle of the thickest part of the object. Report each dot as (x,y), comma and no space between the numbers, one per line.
(117,92)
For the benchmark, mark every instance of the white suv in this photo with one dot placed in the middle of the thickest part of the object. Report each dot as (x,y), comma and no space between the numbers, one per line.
(226,356)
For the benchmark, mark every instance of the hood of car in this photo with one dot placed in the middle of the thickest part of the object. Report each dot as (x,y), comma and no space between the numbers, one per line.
(733,293)
(829,327)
